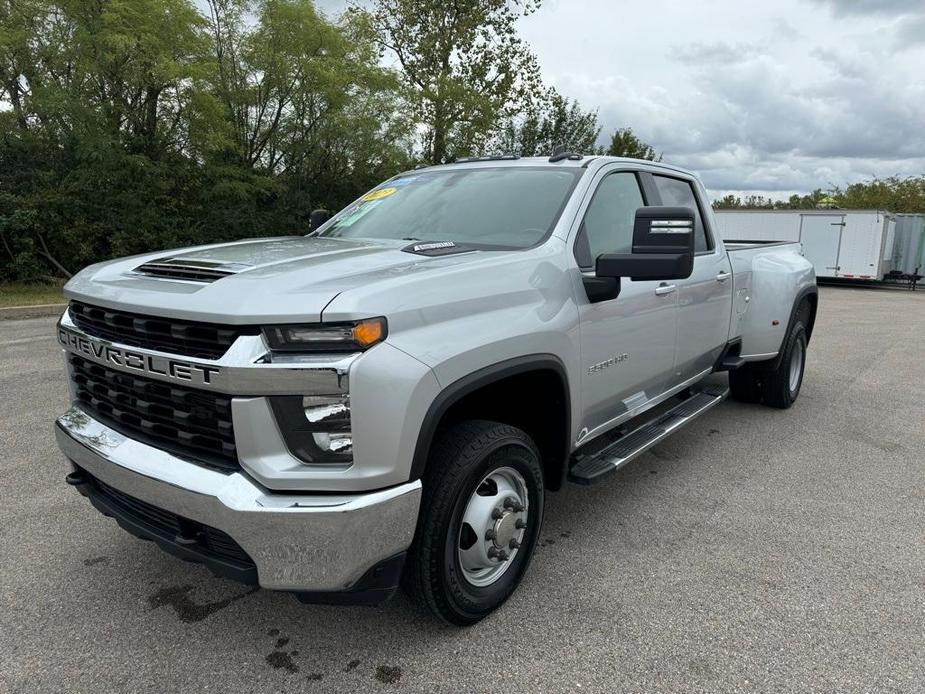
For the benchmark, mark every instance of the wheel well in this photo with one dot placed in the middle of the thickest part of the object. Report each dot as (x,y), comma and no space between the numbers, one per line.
(535,401)
(804,310)
(811,300)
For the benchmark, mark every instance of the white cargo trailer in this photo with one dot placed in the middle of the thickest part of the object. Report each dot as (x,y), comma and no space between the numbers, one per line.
(843,244)
(909,247)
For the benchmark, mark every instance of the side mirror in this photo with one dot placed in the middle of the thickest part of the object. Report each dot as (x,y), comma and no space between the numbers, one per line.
(317,218)
(663,247)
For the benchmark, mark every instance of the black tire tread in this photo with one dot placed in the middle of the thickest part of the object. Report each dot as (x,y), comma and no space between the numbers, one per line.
(450,461)
(776,385)
(745,385)
(758,383)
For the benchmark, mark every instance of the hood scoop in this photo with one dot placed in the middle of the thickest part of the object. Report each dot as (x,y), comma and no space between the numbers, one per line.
(436,248)
(206,271)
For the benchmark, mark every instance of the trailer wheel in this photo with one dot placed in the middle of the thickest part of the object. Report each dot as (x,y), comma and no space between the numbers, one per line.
(480,516)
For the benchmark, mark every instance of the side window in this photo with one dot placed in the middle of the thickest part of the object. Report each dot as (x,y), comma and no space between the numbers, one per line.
(677,193)
(608,223)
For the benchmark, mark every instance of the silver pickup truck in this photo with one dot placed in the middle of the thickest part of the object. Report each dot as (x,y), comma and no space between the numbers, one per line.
(390,399)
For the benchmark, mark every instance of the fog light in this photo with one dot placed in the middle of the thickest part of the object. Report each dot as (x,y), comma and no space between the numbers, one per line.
(334,441)
(316,428)
(327,409)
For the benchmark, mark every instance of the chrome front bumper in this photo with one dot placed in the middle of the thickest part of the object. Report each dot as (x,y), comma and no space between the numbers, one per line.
(299,542)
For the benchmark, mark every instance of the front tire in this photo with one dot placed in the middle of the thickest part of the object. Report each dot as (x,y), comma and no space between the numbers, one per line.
(480,518)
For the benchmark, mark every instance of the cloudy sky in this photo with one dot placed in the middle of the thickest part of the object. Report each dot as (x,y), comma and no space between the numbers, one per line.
(769,97)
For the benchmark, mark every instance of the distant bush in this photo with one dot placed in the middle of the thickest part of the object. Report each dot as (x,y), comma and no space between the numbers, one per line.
(894,194)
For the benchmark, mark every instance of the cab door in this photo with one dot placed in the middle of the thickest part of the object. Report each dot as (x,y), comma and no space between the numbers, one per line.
(627,342)
(704,298)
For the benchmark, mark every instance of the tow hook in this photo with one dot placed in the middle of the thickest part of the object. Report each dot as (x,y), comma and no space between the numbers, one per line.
(76,478)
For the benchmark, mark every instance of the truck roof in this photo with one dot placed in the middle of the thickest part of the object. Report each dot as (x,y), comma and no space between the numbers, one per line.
(582,162)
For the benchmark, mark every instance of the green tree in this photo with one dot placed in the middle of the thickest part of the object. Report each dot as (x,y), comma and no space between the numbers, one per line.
(131,125)
(464,66)
(749,202)
(809,201)
(895,194)
(99,90)
(557,121)
(308,117)
(728,202)
(625,143)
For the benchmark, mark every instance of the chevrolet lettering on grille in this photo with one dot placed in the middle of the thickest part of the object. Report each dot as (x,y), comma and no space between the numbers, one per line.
(165,367)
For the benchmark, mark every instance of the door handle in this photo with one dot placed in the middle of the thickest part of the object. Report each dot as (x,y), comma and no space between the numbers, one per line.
(664,289)
(723,276)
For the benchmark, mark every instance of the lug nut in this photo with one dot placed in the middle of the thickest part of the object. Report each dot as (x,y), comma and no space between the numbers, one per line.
(514,544)
(503,555)
(520,524)
(491,534)
(497,514)
(499,554)
(513,504)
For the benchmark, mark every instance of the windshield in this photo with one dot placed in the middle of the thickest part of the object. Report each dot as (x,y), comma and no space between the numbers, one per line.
(509,207)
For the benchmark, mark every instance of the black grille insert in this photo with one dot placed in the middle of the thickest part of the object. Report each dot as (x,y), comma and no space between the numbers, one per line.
(204,541)
(190,423)
(187,338)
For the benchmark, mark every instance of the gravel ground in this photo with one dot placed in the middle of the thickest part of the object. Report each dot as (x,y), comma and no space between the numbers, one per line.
(756,550)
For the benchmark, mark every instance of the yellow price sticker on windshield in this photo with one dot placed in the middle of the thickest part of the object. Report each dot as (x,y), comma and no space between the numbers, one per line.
(378,194)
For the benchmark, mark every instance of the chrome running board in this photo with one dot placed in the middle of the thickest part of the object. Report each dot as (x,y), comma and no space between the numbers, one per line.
(590,469)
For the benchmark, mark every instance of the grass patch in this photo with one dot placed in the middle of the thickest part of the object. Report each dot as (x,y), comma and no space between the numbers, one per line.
(29,294)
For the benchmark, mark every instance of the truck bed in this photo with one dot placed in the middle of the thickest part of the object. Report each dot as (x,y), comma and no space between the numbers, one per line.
(740,244)
(759,293)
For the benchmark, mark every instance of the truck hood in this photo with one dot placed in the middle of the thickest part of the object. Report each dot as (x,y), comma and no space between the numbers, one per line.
(253,281)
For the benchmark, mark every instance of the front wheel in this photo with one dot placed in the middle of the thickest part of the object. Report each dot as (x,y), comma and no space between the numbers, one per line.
(480,518)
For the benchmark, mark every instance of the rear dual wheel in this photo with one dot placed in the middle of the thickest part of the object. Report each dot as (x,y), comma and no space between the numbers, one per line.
(480,517)
(778,387)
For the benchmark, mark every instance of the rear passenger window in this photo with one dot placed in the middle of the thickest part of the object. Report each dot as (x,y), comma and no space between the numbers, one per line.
(608,223)
(677,193)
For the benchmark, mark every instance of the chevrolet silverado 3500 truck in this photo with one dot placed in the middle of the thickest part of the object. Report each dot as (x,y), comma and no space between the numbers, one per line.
(390,398)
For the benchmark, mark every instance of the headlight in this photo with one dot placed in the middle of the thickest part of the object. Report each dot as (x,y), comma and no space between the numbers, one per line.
(332,337)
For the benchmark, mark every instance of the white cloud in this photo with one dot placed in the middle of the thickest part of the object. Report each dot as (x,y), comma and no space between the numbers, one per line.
(770,97)
(910,32)
(859,7)
(716,53)
(766,97)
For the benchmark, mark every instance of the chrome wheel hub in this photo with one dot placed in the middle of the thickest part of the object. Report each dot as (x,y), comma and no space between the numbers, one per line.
(796,366)
(493,526)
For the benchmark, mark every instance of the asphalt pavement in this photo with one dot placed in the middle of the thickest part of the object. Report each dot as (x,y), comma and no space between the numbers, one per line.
(756,550)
